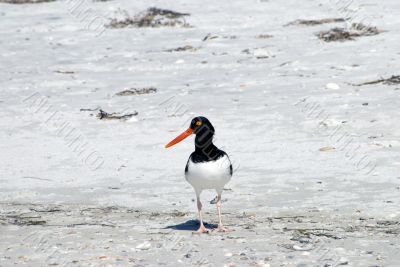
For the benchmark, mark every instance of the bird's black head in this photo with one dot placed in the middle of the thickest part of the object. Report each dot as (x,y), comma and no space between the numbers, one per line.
(201,125)
(202,128)
(204,132)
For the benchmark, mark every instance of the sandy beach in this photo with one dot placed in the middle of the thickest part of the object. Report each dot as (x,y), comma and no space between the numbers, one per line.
(304,98)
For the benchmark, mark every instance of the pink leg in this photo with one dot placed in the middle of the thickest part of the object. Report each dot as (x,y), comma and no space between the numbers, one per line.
(221,227)
(202,228)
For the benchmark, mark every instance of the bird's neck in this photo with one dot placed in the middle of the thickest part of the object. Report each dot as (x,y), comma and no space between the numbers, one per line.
(205,147)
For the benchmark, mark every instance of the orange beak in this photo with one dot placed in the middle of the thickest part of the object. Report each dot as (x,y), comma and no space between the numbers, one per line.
(179,138)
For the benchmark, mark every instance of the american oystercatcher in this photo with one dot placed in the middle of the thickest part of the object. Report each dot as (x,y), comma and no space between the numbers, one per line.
(207,167)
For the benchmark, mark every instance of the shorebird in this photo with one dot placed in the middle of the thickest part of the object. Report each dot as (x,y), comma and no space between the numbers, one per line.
(207,167)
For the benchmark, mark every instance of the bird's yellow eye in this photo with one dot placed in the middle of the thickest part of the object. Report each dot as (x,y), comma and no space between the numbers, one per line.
(198,123)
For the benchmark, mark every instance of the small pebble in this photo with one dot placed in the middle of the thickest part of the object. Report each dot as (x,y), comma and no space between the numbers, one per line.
(332,86)
(144,246)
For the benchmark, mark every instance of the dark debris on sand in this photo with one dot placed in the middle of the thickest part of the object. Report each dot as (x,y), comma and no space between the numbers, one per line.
(394,80)
(264,36)
(341,34)
(313,22)
(188,48)
(102,115)
(210,36)
(137,91)
(21,220)
(152,17)
(25,1)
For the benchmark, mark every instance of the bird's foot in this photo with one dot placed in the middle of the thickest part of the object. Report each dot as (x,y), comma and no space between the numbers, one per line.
(202,229)
(222,228)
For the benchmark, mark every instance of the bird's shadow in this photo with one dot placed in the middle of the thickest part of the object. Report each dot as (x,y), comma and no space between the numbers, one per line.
(190,225)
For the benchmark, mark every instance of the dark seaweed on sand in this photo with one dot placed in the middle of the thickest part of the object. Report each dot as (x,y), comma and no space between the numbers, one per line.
(264,36)
(152,17)
(25,1)
(182,49)
(102,115)
(137,91)
(394,80)
(342,34)
(313,22)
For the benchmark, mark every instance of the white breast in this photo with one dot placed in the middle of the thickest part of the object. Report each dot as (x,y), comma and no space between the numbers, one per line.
(209,175)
